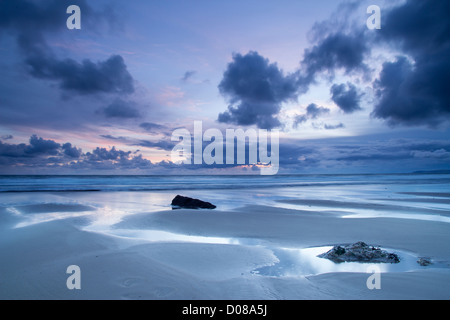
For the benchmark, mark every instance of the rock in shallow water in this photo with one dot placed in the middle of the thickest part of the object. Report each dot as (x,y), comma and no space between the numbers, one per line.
(423,261)
(190,203)
(359,252)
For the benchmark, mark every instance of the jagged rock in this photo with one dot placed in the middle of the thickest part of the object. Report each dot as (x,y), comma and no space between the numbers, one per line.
(190,203)
(359,252)
(424,261)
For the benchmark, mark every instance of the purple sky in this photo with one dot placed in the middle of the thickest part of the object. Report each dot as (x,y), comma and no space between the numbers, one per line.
(106,98)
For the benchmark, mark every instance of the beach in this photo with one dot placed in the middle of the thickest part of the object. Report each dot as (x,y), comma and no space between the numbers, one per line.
(260,243)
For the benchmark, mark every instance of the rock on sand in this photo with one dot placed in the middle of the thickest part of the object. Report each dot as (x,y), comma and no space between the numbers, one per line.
(359,252)
(190,203)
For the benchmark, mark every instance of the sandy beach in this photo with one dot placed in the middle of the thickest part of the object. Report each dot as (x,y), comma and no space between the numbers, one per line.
(249,252)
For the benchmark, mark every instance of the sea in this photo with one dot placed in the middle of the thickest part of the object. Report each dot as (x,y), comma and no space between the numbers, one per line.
(420,195)
(103,183)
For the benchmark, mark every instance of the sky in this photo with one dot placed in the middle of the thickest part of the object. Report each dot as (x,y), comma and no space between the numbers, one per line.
(106,98)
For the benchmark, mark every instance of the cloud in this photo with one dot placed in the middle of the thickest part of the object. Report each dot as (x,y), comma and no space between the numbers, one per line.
(346,97)
(335,51)
(42,155)
(32,22)
(37,147)
(333,127)
(120,109)
(299,119)
(418,27)
(313,111)
(12,150)
(414,94)
(293,154)
(325,126)
(163,144)
(42,146)
(410,90)
(188,75)
(71,152)
(366,154)
(110,137)
(38,16)
(437,154)
(100,154)
(255,89)
(413,90)
(411,150)
(87,77)
(154,128)
(111,160)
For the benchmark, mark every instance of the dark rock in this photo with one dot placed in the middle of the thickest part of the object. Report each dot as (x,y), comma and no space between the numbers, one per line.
(190,203)
(339,250)
(359,252)
(424,261)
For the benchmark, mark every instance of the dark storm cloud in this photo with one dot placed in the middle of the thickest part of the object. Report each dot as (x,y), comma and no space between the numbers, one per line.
(32,22)
(345,153)
(346,97)
(255,89)
(108,160)
(120,109)
(100,154)
(87,77)
(313,111)
(42,154)
(37,147)
(70,151)
(12,150)
(418,26)
(414,94)
(335,51)
(263,115)
(413,90)
(42,146)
